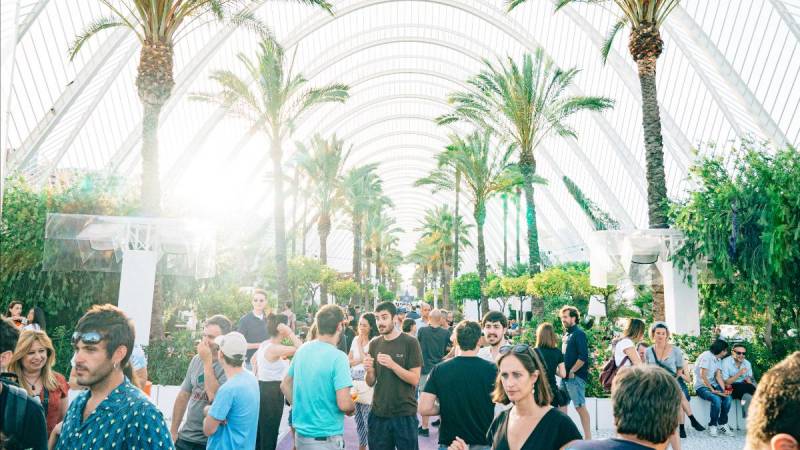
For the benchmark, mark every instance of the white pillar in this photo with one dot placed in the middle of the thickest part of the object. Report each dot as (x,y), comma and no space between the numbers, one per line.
(681,303)
(136,284)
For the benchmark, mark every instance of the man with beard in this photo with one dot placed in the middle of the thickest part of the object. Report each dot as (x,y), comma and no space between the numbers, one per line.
(425,310)
(113,412)
(203,378)
(317,385)
(393,367)
(576,362)
(494,326)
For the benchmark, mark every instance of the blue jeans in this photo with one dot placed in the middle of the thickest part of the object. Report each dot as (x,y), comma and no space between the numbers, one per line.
(576,387)
(720,405)
(471,447)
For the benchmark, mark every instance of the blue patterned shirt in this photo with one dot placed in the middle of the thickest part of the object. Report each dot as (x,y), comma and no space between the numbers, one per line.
(126,419)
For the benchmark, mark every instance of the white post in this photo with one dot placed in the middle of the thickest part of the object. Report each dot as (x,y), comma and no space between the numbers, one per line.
(136,284)
(681,304)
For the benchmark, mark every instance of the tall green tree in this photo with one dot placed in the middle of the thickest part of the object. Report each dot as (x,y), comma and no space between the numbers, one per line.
(280,99)
(323,163)
(486,171)
(361,187)
(439,228)
(523,104)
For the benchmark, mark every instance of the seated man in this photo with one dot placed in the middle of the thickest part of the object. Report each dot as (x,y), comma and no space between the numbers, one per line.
(646,401)
(709,385)
(738,373)
(774,422)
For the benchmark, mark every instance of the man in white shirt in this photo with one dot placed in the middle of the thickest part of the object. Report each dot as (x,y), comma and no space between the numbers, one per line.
(710,386)
(494,324)
(425,309)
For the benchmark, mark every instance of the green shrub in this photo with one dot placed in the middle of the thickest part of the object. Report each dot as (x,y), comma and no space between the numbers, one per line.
(168,359)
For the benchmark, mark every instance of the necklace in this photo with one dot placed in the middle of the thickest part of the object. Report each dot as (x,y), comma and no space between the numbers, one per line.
(32,384)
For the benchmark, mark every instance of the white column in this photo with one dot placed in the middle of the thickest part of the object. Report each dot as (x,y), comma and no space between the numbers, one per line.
(136,284)
(8,36)
(681,302)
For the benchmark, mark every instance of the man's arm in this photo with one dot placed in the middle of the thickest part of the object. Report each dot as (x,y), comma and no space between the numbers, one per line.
(428,405)
(210,425)
(575,367)
(720,379)
(344,401)
(178,410)
(410,376)
(210,380)
(286,387)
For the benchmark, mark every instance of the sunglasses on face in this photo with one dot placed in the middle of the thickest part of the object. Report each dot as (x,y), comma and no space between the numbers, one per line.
(88,337)
(518,348)
(739,353)
(258,300)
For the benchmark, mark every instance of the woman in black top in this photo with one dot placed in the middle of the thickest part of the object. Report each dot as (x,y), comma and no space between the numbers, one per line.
(547,348)
(531,423)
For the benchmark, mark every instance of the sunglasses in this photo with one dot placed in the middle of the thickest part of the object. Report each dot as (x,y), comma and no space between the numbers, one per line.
(739,353)
(88,337)
(518,348)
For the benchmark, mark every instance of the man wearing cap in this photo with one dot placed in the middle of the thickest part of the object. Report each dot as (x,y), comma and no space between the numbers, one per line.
(400,317)
(232,420)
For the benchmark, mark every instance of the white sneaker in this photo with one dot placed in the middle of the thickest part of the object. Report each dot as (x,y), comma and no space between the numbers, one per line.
(712,430)
(726,431)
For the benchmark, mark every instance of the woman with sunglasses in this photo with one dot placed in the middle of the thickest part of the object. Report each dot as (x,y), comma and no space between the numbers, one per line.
(33,361)
(531,423)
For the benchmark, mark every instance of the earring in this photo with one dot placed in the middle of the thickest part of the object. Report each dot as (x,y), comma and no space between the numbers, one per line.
(116,365)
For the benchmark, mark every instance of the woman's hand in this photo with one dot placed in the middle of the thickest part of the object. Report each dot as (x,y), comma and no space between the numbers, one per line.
(458,444)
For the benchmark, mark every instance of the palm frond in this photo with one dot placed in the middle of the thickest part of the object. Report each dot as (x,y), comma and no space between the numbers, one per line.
(247,20)
(321,3)
(92,29)
(608,43)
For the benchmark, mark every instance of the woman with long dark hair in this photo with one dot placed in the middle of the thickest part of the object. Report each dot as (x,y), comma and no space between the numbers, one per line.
(14,313)
(36,320)
(271,363)
(367,329)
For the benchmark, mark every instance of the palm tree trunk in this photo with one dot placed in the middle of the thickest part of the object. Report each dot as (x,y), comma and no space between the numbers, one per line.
(528,167)
(281,266)
(480,218)
(455,228)
(505,233)
(294,211)
(517,204)
(323,229)
(304,227)
(357,256)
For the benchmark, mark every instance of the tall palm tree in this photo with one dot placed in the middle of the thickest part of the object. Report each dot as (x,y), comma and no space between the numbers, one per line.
(517,207)
(523,105)
(486,171)
(274,107)
(361,187)
(439,229)
(645,45)
(323,164)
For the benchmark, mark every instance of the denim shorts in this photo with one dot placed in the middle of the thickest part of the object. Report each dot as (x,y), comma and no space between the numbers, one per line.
(576,387)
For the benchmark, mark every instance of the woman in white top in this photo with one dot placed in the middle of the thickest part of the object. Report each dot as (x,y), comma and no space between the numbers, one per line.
(625,354)
(36,320)
(270,363)
(367,329)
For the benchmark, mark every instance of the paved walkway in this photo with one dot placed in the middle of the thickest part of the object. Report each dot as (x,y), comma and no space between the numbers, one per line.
(695,441)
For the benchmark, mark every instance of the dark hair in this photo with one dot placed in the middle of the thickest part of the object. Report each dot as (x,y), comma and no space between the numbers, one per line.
(646,401)
(634,330)
(775,405)
(373,324)
(530,360)
(233,362)
(468,333)
(494,316)
(352,313)
(273,320)
(546,336)
(221,321)
(739,345)
(288,305)
(718,346)
(113,324)
(573,312)
(408,324)
(328,319)
(11,305)
(388,307)
(38,317)
(9,334)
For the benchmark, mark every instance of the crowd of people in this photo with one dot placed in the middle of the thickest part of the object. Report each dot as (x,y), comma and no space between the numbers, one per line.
(393,369)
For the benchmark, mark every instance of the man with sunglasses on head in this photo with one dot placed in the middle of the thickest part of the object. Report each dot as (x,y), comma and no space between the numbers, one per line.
(737,372)
(113,413)
(253,325)
(203,378)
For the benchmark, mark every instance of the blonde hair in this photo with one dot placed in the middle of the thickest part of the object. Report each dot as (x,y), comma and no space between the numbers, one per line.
(24,345)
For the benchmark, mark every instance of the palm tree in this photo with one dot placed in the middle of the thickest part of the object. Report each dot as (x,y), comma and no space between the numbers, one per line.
(523,105)
(486,172)
(278,103)
(361,187)
(443,230)
(323,164)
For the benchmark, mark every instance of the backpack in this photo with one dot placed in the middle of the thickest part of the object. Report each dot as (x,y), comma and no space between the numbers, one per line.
(14,414)
(610,371)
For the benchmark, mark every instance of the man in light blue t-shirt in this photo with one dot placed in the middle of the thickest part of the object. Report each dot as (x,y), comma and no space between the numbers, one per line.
(232,420)
(318,386)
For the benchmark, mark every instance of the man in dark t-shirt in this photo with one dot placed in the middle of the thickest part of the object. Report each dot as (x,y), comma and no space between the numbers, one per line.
(434,341)
(463,387)
(393,367)
(576,361)
(253,325)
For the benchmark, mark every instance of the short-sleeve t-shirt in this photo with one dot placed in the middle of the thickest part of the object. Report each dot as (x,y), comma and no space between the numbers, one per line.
(465,416)
(552,358)
(392,396)
(554,430)
(712,364)
(672,362)
(433,342)
(236,403)
(194,384)
(607,444)
(318,370)
(729,369)
(576,348)
(619,352)
(254,330)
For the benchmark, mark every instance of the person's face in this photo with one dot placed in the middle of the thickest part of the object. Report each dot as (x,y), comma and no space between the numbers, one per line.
(426,309)
(259,302)
(642,351)
(739,353)
(385,322)
(92,364)
(16,310)
(567,320)
(36,357)
(30,316)
(450,317)
(660,335)
(494,332)
(363,327)
(211,332)
(517,381)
